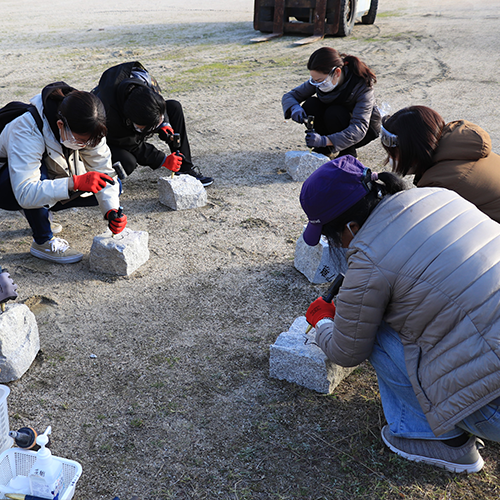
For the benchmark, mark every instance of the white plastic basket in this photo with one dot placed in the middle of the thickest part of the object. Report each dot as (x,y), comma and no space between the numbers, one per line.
(5,440)
(18,462)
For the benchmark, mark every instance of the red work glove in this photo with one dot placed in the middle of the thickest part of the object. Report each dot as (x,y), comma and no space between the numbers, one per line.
(116,223)
(173,161)
(318,310)
(165,130)
(91,182)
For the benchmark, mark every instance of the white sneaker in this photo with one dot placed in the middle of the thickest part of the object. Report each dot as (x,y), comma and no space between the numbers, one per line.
(56,250)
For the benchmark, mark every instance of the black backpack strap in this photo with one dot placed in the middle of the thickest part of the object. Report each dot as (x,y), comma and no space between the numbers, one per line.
(36,115)
(39,123)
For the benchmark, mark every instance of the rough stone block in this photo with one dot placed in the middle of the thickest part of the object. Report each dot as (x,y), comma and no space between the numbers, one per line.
(19,341)
(119,254)
(317,263)
(181,192)
(301,164)
(305,364)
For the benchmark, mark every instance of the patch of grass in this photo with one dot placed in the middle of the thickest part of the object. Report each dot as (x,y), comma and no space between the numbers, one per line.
(389,13)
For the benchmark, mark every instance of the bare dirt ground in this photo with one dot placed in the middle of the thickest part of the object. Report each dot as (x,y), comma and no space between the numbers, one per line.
(178,403)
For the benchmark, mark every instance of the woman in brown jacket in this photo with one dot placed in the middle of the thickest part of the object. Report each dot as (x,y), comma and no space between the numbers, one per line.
(455,156)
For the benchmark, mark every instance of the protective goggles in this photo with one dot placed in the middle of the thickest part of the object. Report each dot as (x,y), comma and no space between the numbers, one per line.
(317,84)
(144,129)
(71,138)
(388,140)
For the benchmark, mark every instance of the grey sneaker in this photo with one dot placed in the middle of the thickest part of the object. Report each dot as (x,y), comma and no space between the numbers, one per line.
(463,458)
(56,250)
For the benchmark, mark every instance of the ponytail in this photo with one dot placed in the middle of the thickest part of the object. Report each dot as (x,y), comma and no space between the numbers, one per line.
(359,68)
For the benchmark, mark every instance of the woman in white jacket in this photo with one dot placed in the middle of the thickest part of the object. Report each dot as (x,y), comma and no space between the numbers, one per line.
(420,301)
(66,164)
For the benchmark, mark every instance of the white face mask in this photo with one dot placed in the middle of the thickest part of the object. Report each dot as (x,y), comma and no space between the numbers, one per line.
(71,145)
(327,85)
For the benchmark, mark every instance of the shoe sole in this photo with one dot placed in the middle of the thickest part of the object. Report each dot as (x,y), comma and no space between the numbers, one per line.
(58,260)
(56,228)
(443,464)
(205,184)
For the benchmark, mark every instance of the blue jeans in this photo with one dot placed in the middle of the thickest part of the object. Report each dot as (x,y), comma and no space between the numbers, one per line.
(38,218)
(401,408)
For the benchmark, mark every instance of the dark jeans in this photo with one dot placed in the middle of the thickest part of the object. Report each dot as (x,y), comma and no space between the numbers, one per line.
(332,119)
(38,218)
(176,117)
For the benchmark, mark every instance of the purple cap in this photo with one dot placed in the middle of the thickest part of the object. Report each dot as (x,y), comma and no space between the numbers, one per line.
(331,190)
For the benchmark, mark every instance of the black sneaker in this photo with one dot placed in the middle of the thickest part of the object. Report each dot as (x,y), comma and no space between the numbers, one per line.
(195,172)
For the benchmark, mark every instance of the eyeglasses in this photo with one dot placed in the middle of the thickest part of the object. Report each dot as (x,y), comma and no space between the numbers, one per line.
(388,139)
(317,84)
(144,129)
(71,138)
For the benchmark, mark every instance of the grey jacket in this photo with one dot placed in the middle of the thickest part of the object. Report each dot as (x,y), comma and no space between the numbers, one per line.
(428,263)
(361,103)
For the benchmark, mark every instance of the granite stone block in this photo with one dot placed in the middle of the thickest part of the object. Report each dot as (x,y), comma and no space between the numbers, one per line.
(301,164)
(19,341)
(295,357)
(317,263)
(119,254)
(181,192)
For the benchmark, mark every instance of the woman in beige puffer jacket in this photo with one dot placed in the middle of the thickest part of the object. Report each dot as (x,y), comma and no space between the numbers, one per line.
(421,300)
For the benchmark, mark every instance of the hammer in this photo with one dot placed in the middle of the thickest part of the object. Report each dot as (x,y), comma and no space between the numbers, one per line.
(174,140)
(309,126)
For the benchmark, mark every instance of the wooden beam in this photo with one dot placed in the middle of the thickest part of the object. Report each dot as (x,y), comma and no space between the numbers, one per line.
(319,18)
(279,16)
(309,39)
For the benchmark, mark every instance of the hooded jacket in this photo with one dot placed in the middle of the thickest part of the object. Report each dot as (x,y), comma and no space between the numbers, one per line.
(24,146)
(427,262)
(354,94)
(114,86)
(464,163)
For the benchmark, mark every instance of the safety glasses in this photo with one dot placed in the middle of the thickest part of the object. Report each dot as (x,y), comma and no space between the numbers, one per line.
(317,84)
(71,138)
(388,139)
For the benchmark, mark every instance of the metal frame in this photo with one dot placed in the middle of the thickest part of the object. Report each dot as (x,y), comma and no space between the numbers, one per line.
(280,24)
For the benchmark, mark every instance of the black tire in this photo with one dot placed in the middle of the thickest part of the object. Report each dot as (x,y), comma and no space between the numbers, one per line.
(347,17)
(370,16)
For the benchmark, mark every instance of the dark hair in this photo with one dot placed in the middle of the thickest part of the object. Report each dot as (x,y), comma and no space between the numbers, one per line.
(418,129)
(144,107)
(83,113)
(361,210)
(327,58)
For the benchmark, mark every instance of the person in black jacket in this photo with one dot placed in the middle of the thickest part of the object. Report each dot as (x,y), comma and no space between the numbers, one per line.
(135,111)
